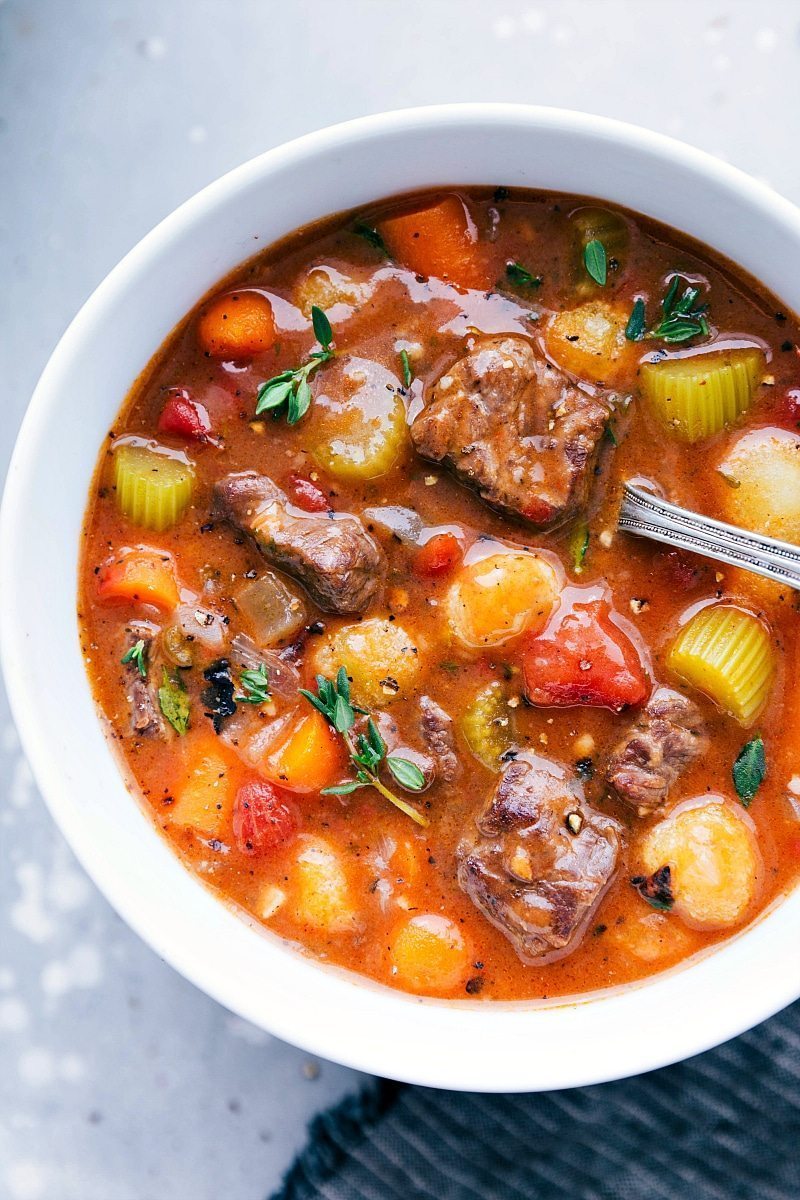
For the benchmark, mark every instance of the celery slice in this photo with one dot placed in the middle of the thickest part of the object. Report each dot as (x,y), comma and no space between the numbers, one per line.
(488,725)
(701,394)
(726,653)
(153,489)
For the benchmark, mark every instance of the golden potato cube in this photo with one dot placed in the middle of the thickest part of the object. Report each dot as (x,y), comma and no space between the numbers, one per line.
(499,597)
(590,342)
(761,473)
(381,659)
(319,892)
(711,850)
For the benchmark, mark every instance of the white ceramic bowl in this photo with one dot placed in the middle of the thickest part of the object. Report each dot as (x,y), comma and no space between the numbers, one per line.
(480,1046)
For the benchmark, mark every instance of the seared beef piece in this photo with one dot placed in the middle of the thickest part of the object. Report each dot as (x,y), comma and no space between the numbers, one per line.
(516,429)
(668,735)
(437,731)
(542,861)
(145,716)
(334,558)
(390,732)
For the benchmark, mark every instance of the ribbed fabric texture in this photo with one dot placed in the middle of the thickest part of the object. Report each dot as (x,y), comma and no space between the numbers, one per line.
(722,1126)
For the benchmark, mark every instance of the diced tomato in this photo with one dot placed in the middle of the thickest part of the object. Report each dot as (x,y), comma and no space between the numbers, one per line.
(538,511)
(682,569)
(263,817)
(788,408)
(185,417)
(583,656)
(307,495)
(438,556)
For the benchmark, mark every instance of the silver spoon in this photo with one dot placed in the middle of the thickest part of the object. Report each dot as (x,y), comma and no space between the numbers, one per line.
(647,515)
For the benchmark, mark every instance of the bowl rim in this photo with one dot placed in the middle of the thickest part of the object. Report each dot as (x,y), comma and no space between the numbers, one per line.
(379,1037)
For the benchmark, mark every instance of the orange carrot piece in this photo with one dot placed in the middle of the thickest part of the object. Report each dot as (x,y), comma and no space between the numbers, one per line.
(237,325)
(439,240)
(308,758)
(142,576)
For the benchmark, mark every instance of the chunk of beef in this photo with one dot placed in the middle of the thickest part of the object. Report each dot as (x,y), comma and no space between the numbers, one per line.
(146,718)
(334,557)
(666,738)
(437,732)
(516,429)
(542,860)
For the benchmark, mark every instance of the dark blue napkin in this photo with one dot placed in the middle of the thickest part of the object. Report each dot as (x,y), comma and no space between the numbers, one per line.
(722,1126)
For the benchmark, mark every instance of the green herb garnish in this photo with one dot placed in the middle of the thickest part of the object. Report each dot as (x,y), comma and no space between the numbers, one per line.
(174,703)
(521,277)
(255,686)
(637,322)
(291,387)
(138,656)
(681,317)
(408,374)
(578,545)
(594,259)
(371,235)
(749,770)
(367,750)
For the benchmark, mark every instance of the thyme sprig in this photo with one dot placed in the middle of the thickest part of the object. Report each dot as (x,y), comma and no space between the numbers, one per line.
(292,387)
(682,318)
(255,686)
(367,750)
(137,655)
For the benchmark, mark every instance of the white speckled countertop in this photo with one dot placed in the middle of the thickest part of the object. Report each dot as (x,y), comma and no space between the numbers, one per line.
(119,1080)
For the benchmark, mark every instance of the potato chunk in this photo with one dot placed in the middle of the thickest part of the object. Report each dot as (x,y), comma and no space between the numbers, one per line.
(590,342)
(761,471)
(326,287)
(651,937)
(319,892)
(499,597)
(381,659)
(357,426)
(710,848)
(429,954)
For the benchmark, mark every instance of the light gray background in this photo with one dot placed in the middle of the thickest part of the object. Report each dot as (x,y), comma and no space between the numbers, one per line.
(119,1081)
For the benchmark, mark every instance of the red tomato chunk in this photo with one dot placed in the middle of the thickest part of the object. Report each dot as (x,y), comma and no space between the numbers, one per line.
(185,417)
(307,495)
(583,657)
(438,556)
(263,817)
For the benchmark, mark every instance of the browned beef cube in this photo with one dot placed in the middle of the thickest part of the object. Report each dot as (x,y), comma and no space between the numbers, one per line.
(516,429)
(665,739)
(542,860)
(332,555)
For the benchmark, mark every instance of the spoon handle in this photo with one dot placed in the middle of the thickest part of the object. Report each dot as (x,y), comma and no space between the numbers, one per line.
(647,515)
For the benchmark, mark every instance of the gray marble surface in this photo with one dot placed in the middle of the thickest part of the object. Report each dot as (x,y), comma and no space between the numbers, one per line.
(118,1080)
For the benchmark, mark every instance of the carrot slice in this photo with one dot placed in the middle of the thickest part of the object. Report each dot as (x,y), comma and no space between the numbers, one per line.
(438,240)
(308,758)
(237,325)
(141,576)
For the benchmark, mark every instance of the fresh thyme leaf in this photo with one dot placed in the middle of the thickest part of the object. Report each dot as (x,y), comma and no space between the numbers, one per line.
(371,235)
(521,276)
(681,317)
(367,750)
(138,656)
(637,322)
(594,259)
(255,686)
(609,434)
(344,789)
(578,545)
(408,374)
(174,703)
(407,774)
(292,387)
(656,889)
(322,327)
(749,770)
